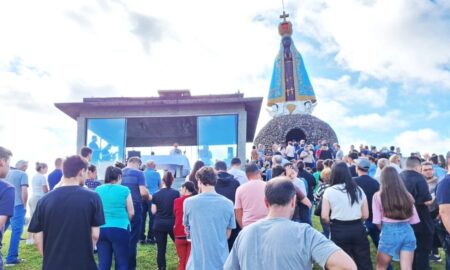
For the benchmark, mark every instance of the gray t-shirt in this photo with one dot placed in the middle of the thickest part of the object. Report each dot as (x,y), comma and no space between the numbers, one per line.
(208,216)
(279,243)
(17,178)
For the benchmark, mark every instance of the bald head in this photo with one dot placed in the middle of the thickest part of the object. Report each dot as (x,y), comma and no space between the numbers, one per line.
(279,191)
(277,160)
(151,164)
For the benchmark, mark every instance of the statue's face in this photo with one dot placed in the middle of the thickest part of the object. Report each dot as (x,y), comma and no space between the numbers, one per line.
(287,41)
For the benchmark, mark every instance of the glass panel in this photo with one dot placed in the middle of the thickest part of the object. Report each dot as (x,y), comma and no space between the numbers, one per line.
(217,138)
(106,138)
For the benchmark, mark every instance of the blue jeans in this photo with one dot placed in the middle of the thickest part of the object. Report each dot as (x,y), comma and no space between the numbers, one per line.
(135,234)
(147,208)
(113,241)
(17,222)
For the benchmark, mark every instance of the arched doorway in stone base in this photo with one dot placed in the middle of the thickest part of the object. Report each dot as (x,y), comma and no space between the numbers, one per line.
(295,134)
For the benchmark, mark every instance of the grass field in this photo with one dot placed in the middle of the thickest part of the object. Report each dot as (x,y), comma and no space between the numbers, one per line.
(146,256)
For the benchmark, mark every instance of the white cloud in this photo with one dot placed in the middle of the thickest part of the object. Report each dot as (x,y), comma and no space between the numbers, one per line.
(139,47)
(344,91)
(398,40)
(433,115)
(423,140)
(376,122)
(88,48)
(331,111)
(337,98)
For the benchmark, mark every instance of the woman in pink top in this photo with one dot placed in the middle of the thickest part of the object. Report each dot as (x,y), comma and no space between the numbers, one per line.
(393,211)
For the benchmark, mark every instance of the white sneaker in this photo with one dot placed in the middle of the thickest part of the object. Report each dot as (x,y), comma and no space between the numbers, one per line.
(29,242)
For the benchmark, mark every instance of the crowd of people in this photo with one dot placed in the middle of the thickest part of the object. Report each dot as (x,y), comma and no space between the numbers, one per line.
(224,217)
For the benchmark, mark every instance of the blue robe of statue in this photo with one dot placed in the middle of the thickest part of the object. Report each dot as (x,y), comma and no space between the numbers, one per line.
(290,81)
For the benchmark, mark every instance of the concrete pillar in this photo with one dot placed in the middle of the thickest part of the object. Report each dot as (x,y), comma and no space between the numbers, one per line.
(81,133)
(242,136)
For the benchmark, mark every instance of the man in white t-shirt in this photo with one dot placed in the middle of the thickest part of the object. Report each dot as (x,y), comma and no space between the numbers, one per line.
(290,151)
(249,204)
(236,171)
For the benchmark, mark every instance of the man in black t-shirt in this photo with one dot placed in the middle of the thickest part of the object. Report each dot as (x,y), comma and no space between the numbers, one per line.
(311,184)
(370,186)
(417,185)
(66,221)
(325,152)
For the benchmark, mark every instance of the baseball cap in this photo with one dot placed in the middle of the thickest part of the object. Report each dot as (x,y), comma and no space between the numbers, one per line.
(363,164)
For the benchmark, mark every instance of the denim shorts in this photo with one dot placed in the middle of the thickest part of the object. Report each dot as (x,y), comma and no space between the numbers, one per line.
(396,237)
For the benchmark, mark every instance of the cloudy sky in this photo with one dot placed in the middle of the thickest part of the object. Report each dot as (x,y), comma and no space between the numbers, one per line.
(380,69)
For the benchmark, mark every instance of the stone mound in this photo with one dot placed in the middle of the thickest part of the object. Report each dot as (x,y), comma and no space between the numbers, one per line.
(295,127)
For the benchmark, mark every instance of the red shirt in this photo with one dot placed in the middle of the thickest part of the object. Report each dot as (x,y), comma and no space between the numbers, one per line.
(178,228)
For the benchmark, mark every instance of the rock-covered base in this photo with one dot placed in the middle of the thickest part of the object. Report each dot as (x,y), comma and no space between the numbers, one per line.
(313,128)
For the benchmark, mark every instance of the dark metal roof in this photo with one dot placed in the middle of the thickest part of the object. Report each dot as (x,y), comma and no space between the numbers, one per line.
(92,105)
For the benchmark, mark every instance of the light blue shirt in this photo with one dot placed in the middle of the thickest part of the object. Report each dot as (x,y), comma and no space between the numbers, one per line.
(17,178)
(114,200)
(372,169)
(279,243)
(152,180)
(208,216)
(439,172)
